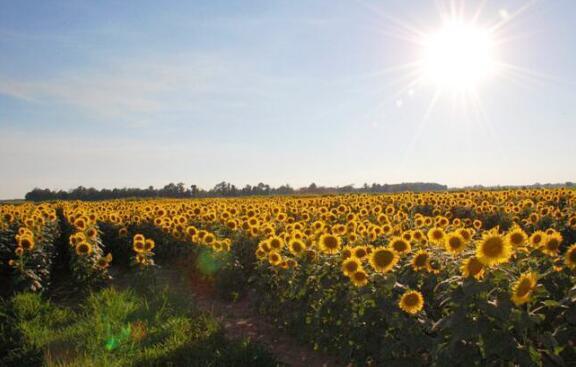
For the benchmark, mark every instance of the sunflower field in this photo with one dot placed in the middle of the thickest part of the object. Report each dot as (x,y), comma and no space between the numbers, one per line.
(439,278)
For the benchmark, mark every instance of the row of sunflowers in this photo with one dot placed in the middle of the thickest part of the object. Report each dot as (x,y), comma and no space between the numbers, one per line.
(424,278)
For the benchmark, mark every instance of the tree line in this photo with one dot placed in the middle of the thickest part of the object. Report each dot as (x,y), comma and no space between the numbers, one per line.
(222,189)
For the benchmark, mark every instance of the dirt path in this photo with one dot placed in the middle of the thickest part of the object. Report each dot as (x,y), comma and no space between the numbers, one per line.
(240,320)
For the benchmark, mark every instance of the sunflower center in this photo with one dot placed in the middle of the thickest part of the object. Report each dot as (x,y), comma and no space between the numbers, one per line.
(420,260)
(383,258)
(524,288)
(351,266)
(455,242)
(553,244)
(493,247)
(474,266)
(411,300)
(331,242)
(517,238)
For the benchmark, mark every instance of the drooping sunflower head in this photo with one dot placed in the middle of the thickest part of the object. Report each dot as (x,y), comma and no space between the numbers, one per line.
(493,249)
(329,243)
(383,260)
(523,288)
(472,267)
(411,302)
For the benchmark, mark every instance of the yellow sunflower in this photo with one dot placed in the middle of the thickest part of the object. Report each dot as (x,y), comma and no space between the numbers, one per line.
(383,260)
(329,243)
(436,235)
(536,239)
(400,245)
(359,278)
(454,243)
(26,242)
(83,248)
(472,267)
(360,252)
(516,237)
(411,302)
(493,249)
(274,258)
(420,261)
(551,244)
(296,246)
(570,257)
(276,243)
(523,288)
(350,266)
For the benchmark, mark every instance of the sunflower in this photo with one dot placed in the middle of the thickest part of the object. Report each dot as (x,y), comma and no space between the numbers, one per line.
(27,243)
(420,261)
(472,267)
(91,232)
(329,244)
(360,252)
(83,248)
(104,262)
(276,243)
(296,246)
(261,254)
(465,233)
(434,266)
(492,249)
(383,260)
(551,244)
(350,266)
(570,257)
(274,258)
(523,288)
(359,278)
(346,252)
(139,246)
(536,239)
(400,245)
(454,243)
(411,302)
(149,245)
(436,235)
(516,237)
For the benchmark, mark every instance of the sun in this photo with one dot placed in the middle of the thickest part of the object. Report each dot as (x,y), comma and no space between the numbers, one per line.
(459,56)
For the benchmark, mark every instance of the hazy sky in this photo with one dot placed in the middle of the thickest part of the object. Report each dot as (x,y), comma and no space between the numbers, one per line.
(137,93)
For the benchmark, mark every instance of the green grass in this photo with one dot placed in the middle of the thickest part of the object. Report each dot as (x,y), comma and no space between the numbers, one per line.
(118,328)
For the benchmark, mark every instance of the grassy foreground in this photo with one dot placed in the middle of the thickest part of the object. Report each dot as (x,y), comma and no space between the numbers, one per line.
(118,328)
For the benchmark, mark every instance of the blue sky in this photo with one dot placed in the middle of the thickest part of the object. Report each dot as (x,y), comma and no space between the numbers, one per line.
(138,93)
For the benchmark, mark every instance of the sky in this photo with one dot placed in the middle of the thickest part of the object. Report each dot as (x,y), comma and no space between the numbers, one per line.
(137,93)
